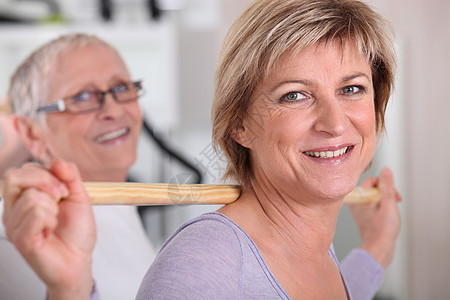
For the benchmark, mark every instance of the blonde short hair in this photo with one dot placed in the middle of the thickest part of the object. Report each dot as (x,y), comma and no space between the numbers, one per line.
(30,82)
(265,31)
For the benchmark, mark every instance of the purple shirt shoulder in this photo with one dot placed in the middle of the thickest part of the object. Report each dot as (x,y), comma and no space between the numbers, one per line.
(362,273)
(211,257)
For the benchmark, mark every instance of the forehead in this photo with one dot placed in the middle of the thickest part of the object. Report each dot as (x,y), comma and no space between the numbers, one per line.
(331,58)
(86,58)
(92,65)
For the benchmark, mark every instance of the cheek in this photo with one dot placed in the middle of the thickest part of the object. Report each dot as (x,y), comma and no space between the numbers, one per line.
(68,126)
(362,116)
(134,111)
(77,133)
(368,122)
(281,135)
(274,129)
(67,137)
(366,125)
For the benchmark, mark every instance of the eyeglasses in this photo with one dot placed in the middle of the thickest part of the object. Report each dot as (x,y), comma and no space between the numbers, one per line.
(89,101)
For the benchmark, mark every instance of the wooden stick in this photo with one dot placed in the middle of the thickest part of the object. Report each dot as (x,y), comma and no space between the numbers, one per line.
(181,194)
(127,193)
(160,193)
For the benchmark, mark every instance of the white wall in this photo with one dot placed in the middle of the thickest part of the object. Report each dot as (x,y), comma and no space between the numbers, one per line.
(424,28)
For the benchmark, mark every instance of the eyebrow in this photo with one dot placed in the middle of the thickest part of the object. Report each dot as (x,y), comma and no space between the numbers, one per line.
(353,76)
(300,81)
(309,82)
(93,86)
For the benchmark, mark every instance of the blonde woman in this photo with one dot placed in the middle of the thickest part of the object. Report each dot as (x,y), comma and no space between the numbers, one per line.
(300,95)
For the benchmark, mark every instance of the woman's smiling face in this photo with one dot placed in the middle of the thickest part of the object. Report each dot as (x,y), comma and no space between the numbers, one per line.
(101,143)
(311,124)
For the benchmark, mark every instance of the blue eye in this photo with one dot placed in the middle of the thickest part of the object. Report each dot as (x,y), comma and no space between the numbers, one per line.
(81,97)
(294,97)
(352,89)
(121,88)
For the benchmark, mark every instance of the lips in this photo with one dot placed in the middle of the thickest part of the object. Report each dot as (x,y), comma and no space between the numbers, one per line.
(112,135)
(329,153)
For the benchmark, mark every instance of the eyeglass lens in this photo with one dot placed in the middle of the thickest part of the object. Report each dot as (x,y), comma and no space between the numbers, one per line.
(92,100)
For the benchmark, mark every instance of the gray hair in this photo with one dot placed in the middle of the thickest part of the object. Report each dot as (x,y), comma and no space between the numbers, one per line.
(30,82)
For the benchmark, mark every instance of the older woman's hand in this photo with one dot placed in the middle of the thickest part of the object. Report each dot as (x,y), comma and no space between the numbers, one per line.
(379,224)
(56,239)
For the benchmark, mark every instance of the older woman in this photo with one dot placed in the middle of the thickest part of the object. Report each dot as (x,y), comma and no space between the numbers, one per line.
(300,96)
(74,100)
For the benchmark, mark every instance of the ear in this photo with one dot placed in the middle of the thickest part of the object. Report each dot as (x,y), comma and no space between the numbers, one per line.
(33,137)
(243,135)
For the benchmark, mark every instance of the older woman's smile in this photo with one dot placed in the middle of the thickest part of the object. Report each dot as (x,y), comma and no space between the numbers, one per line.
(113,135)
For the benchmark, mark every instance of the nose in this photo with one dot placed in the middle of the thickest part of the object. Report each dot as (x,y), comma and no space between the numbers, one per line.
(331,118)
(110,108)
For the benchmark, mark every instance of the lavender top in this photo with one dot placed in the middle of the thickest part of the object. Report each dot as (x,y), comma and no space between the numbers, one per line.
(362,273)
(211,257)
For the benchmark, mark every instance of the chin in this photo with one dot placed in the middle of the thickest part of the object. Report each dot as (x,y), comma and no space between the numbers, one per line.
(127,163)
(118,162)
(337,189)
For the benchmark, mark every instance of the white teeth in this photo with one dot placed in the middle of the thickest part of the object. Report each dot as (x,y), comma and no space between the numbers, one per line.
(327,154)
(111,135)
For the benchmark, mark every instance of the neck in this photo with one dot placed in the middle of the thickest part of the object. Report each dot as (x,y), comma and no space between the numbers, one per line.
(303,226)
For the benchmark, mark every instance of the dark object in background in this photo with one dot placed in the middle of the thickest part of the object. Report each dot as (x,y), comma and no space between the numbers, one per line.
(154,9)
(11,13)
(171,152)
(8,18)
(142,210)
(106,8)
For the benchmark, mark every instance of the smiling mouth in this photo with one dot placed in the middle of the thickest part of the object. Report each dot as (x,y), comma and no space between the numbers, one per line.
(328,154)
(112,135)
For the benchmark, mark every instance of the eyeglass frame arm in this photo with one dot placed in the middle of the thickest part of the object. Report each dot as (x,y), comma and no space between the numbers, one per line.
(60,105)
(57,106)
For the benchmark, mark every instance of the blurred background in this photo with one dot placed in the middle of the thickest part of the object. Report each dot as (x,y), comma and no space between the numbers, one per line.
(172,46)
